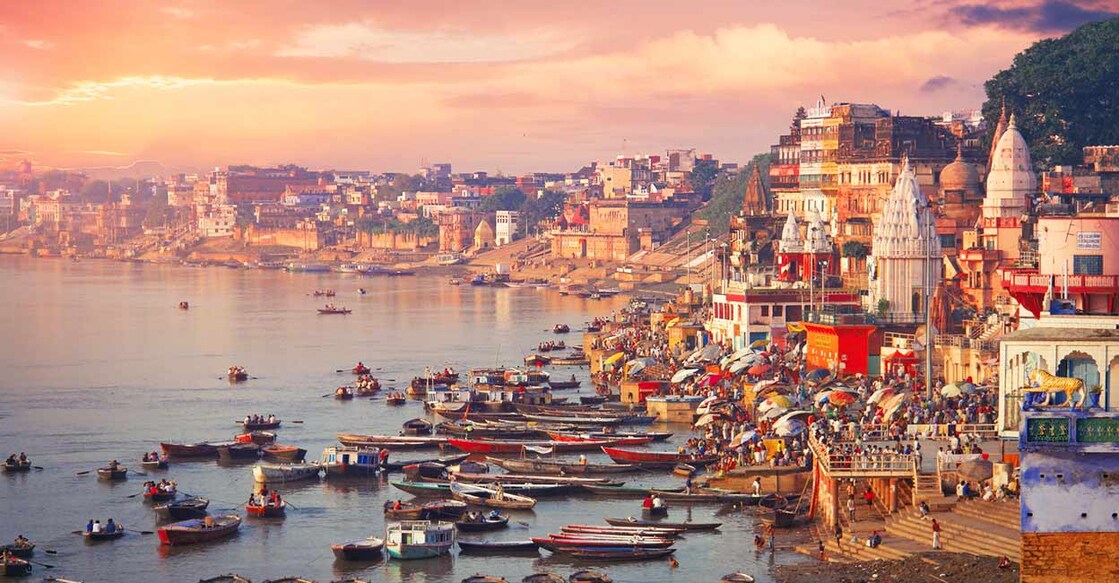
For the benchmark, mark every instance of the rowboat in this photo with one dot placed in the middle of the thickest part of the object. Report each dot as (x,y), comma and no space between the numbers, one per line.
(532,479)
(661,459)
(227,578)
(91,536)
(330,311)
(16,467)
(543,578)
(683,470)
(687,525)
(268,473)
(496,497)
(351,461)
(597,421)
(257,437)
(185,509)
(390,441)
(655,511)
(361,369)
(399,510)
(260,425)
(238,451)
(266,510)
(160,495)
(505,546)
(620,491)
(160,464)
(419,539)
(291,579)
(448,460)
(594,529)
(701,496)
(567,545)
(559,467)
(484,579)
(344,393)
(737,577)
(184,450)
(283,453)
(623,555)
(108,473)
(364,549)
(417,426)
(496,446)
(477,522)
(589,576)
(11,567)
(19,550)
(437,509)
(237,376)
(396,400)
(444,488)
(194,531)
(565,436)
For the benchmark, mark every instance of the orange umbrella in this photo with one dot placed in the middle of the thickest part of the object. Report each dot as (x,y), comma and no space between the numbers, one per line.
(841,398)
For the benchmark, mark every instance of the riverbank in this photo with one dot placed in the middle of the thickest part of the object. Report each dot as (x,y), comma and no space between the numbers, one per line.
(930,566)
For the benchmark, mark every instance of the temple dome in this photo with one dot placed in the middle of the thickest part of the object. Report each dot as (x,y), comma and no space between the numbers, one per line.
(1012,174)
(791,241)
(959,175)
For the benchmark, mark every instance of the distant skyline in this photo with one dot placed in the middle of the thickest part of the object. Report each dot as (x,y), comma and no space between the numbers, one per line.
(483,84)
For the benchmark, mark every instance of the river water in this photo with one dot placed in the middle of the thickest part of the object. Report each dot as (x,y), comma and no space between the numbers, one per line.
(98,363)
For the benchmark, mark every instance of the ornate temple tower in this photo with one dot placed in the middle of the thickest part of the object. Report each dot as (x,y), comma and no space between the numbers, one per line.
(755,202)
(906,261)
(1009,185)
(791,241)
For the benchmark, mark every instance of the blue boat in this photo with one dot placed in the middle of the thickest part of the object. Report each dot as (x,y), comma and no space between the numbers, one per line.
(419,539)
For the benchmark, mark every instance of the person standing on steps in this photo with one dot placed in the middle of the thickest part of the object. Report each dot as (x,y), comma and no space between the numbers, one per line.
(851,509)
(838,535)
(936,535)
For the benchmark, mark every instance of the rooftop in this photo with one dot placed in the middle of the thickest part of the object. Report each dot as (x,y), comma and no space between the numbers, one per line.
(1046,334)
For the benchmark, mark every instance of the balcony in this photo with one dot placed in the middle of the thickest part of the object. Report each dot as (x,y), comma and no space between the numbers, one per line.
(1024,281)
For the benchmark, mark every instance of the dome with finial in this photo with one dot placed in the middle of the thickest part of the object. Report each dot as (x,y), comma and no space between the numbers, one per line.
(818,239)
(791,241)
(1012,174)
(960,174)
(906,229)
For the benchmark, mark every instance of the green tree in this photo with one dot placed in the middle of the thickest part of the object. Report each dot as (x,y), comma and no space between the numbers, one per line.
(1064,92)
(702,177)
(728,192)
(157,211)
(504,198)
(856,249)
(536,209)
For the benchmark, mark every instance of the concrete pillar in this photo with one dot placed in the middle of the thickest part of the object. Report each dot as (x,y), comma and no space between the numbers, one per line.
(831,505)
(893,498)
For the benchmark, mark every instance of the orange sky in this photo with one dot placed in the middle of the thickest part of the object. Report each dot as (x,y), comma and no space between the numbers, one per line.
(511,85)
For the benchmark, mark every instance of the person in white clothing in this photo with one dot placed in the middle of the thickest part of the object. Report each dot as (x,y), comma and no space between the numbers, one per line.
(96,526)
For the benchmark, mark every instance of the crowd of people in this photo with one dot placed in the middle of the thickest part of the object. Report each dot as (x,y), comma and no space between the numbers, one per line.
(110,527)
(266,497)
(163,486)
(259,419)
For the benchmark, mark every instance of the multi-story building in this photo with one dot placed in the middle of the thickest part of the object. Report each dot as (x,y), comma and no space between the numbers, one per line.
(456,229)
(506,227)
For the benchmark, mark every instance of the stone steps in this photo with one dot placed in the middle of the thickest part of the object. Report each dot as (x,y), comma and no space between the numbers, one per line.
(892,548)
(1004,514)
(959,534)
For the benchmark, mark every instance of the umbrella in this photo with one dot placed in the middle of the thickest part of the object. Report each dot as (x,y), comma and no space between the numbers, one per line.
(794,415)
(967,387)
(737,354)
(738,366)
(711,379)
(758,369)
(822,397)
(759,343)
(950,390)
(639,364)
(706,354)
(881,394)
(977,469)
(614,358)
(817,375)
(841,398)
(891,404)
(789,427)
(683,375)
(707,419)
(743,437)
(708,404)
(776,401)
(774,412)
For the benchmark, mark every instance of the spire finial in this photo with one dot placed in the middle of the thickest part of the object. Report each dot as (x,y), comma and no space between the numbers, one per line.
(1012,122)
(960,150)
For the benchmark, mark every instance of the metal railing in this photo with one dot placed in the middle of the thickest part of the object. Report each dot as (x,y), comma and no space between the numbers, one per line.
(862,465)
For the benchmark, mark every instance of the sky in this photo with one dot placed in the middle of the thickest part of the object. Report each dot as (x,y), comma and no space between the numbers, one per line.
(511,86)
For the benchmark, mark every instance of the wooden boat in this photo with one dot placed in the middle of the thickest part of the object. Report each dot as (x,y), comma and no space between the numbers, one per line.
(555,467)
(651,531)
(783,518)
(589,576)
(237,376)
(419,539)
(16,467)
(19,550)
(564,385)
(361,369)
(291,579)
(496,497)
(103,536)
(686,525)
(266,510)
(537,360)
(592,399)
(189,450)
(659,459)
(617,491)
(195,531)
(333,311)
(501,446)
(683,470)
(543,578)
(160,464)
(277,452)
(655,511)
(564,545)
(737,577)
(497,547)
(238,451)
(440,509)
(400,510)
(396,400)
(444,488)
(479,522)
(591,435)
(630,555)
(363,549)
(531,482)
(12,567)
(185,509)
(344,393)
(417,426)
(484,579)
(268,472)
(160,495)
(390,441)
(351,461)
(561,329)
(107,473)
(259,426)
(257,437)
(447,460)
(575,420)
(228,578)
(701,496)
(573,360)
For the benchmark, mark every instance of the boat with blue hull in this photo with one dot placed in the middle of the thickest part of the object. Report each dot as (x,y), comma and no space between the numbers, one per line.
(419,539)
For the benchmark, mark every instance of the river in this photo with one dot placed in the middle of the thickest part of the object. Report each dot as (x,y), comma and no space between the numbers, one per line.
(99,363)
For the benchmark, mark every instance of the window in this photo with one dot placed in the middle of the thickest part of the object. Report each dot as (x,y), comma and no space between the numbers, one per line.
(765,311)
(1087,264)
(948,241)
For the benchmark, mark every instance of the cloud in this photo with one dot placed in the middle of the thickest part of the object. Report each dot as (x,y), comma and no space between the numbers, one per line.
(934,84)
(38,44)
(100,90)
(178,12)
(370,43)
(1048,16)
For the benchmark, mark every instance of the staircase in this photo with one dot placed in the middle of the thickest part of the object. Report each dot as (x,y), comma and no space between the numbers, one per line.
(926,487)
(977,527)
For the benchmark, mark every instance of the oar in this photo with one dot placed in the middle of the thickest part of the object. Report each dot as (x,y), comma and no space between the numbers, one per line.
(326,395)
(50,551)
(290,505)
(40,564)
(135,495)
(143,531)
(38,467)
(296,421)
(83,473)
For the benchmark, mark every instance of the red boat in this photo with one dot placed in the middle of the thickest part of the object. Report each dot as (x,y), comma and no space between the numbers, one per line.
(666,459)
(619,440)
(266,510)
(189,449)
(257,437)
(194,531)
(496,446)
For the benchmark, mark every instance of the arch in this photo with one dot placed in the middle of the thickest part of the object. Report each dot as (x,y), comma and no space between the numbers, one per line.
(1015,374)
(1110,375)
(1081,365)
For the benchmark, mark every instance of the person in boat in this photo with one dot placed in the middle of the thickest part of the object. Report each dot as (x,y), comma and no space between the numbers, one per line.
(688,484)
(21,541)
(252,500)
(110,527)
(647,503)
(147,457)
(11,461)
(113,465)
(96,527)
(383,458)
(582,460)
(89,526)
(271,417)
(495,515)
(208,522)
(657,502)
(759,542)
(498,492)
(397,505)
(23,459)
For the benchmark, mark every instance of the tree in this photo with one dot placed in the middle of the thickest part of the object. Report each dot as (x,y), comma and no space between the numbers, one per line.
(504,198)
(702,177)
(856,249)
(728,192)
(536,209)
(1064,92)
(157,211)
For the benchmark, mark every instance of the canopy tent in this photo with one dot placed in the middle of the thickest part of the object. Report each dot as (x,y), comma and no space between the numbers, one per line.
(708,353)
(639,364)
(794,415)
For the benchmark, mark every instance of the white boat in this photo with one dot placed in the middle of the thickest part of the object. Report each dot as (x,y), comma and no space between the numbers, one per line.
(268,473)
(352,268)
(419,539)
(448,259)
(307,267)
(351,461)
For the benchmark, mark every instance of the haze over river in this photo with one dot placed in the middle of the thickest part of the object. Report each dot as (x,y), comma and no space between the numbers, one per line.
(98,363)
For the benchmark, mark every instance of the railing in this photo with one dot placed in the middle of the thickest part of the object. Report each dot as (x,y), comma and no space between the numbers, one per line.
(946,430)
(960,341)
(1038,280)
(859,465)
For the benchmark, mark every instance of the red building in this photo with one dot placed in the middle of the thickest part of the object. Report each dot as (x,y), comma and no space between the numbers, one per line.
(841,348)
